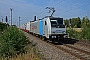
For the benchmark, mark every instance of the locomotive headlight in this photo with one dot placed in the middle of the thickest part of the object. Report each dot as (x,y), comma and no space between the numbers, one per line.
(65,36)
(53,36)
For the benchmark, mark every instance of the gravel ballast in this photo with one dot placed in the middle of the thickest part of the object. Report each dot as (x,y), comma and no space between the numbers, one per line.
(50,52)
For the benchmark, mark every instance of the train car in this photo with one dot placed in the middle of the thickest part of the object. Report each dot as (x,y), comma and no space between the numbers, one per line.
(28,26)
(35,27)
(51,28)
(22,27)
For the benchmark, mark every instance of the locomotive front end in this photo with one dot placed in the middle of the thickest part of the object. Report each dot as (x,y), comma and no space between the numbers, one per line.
(58,29)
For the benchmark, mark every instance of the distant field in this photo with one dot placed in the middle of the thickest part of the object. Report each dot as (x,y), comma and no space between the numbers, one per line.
(76,29)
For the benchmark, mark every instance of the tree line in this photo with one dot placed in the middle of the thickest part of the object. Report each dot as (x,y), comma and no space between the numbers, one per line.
(83,23)
(77,22)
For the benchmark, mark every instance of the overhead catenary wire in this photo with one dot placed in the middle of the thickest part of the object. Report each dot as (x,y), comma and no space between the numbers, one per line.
(40,9)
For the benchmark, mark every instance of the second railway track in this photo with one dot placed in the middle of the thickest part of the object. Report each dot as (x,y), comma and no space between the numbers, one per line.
(79,53)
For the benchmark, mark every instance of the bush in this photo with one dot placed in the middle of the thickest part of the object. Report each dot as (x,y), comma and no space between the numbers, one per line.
(86,33)
(74,34)
(13,42)
(3,26)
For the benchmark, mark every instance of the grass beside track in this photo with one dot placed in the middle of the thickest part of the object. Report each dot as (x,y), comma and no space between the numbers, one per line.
(32,54)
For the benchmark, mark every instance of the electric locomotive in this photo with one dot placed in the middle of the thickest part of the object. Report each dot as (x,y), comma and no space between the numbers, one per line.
(54,28)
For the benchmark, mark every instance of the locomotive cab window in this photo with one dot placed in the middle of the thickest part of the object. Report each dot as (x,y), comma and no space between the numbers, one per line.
(53,22)
(45,23)
(57,22)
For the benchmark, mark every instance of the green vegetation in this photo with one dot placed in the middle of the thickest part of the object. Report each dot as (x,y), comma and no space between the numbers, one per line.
(13,42)
(74,22)
(14,45)
(84,24)
(86,34)
(31,54)
(3,26)
(74,34)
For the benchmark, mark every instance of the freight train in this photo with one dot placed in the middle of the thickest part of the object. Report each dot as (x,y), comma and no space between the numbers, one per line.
(51,28)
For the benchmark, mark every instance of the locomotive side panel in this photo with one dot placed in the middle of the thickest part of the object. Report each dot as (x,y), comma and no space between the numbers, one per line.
(46,27)
(41,28)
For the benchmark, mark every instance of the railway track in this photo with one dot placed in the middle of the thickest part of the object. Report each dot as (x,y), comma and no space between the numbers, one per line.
(78,53)
(84,43)
(81,54)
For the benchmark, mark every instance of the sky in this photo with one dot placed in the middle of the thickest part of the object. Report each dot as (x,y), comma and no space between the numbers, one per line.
(27,9)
